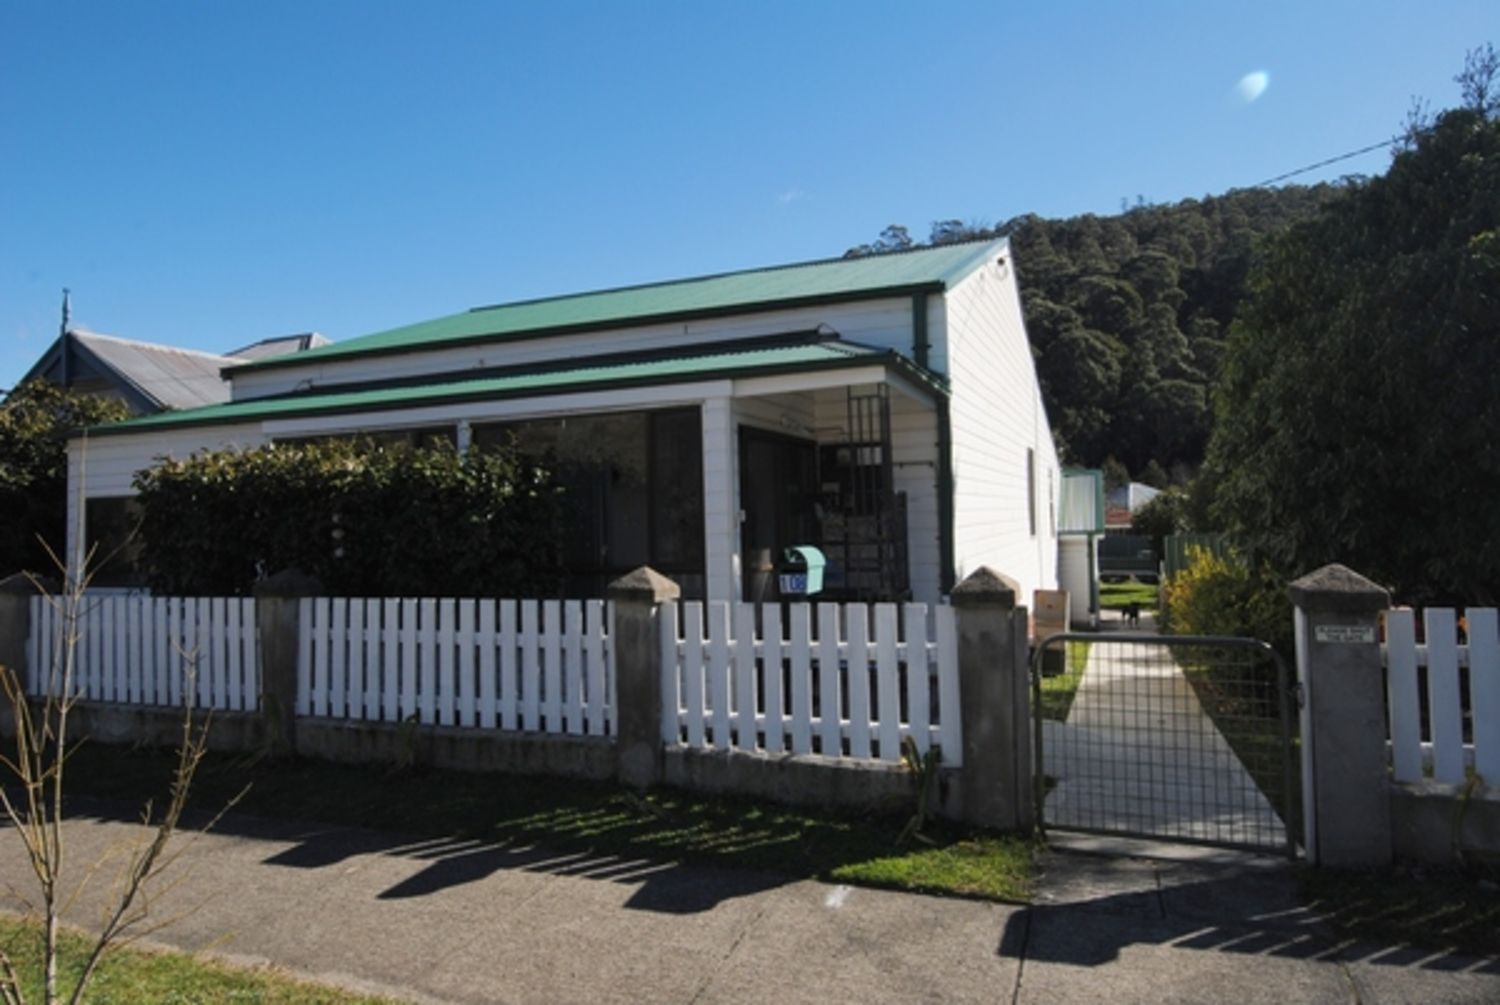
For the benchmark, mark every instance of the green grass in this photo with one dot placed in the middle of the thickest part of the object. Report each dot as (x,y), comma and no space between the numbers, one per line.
(1438,910)
(132,975)
(576,815)
(1118,596)
(1058,691)
(1241,699)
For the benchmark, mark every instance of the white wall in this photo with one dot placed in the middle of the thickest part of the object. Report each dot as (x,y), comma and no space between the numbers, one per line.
(997,415)
(884,323)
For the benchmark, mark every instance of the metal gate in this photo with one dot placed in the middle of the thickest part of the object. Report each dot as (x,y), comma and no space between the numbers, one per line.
(1181,738)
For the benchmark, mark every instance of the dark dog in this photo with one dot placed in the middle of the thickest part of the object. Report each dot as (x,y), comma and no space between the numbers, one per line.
(1133,615)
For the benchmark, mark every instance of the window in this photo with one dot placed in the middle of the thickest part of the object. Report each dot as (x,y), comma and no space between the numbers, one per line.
(633,489)
(111,530)
(1031,489)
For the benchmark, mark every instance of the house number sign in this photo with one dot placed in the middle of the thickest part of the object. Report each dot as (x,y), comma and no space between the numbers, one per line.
(1344,633)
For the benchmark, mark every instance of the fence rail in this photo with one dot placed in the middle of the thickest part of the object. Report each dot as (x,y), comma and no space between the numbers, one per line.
(139,650)
(533,665)
(1446,728)
(737,677)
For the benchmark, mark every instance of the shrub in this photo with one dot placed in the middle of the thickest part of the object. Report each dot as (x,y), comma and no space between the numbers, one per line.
(1222,595)
(366,520)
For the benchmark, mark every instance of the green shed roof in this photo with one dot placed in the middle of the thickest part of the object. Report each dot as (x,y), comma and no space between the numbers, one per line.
(831,280)
(688,364)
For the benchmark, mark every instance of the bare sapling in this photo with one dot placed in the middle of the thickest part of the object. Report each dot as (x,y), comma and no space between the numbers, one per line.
(32,799)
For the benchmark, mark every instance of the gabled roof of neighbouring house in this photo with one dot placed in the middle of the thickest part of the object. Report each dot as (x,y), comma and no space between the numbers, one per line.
(782,286)
(151,377)
(798,353)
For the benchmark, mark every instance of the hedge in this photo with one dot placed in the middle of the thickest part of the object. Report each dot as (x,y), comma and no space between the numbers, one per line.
(366,520)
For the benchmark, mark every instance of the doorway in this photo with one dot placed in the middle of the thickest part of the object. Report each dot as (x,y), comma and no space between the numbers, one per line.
(778,491)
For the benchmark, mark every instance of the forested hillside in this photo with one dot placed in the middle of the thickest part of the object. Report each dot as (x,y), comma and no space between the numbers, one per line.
(1128,315)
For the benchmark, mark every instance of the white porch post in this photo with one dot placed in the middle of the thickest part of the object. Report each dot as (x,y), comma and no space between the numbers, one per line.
(721,501)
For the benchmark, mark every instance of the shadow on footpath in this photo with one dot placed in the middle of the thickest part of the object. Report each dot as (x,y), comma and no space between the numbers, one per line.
(666,887)
(1250,911)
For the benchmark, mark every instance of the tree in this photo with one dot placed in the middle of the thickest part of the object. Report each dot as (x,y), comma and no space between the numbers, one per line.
(35,422)
(1356,421)
(33,801)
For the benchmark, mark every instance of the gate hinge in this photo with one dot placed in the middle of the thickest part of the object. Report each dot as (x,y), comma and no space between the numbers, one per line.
(1299,695)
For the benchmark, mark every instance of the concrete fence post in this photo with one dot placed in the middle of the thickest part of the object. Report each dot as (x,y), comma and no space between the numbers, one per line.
(277,620)
(995,702)
(1345,784)
(15,626)
(637,597)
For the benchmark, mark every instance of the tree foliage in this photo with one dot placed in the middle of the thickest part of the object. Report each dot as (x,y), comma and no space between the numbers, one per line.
(1358,415)
(1127,314)
(365,520)
(35,422)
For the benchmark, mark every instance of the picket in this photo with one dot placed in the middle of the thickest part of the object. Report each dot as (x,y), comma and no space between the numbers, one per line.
(1484,689)
(1405,707)
(1446,756)
(728,683)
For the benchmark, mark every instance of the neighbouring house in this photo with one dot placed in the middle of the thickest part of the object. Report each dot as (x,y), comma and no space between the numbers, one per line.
(151,378)
(884,410)
(1123,502)
(148,378)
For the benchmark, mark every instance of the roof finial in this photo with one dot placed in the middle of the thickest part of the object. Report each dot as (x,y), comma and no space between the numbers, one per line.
(67,311)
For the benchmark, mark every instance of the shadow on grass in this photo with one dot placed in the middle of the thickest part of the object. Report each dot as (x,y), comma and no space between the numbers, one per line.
(466,827)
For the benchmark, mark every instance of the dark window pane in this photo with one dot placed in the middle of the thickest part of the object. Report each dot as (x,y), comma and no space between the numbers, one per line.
(110,530)
(677,477)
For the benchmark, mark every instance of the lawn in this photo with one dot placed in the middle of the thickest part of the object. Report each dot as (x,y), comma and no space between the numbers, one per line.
(1058,690)
(1118,596)
(132,975)
(601,818)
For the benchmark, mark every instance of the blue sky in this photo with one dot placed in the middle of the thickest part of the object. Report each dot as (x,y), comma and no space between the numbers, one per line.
(208,174)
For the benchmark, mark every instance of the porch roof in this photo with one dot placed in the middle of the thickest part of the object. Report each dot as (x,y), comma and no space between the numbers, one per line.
(692,363)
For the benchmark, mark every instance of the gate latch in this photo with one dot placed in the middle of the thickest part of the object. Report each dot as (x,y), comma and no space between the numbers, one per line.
(1299,695)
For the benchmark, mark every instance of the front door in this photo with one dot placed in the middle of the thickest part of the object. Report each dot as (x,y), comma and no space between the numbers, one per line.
(778,487)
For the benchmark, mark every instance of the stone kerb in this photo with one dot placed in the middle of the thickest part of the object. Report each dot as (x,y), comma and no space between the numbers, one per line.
(637,597)
(277,615)
(995,702)
(1346,793)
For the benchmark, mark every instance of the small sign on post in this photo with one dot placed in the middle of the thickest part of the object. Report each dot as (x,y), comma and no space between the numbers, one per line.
(1344,634)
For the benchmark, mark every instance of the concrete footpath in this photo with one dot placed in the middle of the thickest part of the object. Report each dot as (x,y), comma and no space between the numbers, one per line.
(459,921)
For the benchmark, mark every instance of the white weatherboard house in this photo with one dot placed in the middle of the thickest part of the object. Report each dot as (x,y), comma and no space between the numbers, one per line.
(883,409)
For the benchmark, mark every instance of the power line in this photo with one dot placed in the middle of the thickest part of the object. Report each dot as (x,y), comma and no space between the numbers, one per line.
(1331,160)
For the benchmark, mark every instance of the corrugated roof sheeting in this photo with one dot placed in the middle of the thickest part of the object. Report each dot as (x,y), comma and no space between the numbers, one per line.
(808,281)
(174,378)
(576,376)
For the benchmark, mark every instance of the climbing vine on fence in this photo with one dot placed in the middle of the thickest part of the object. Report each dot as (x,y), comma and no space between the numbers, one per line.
(366,520)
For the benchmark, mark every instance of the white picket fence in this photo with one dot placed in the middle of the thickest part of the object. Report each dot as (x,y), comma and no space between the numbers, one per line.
(538,666)
(1445,755)
(139,650)
(849,691)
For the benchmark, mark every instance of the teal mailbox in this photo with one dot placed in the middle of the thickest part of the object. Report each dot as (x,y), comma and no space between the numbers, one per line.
(802,572)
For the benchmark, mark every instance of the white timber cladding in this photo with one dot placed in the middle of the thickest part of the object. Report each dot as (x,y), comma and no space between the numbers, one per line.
(102,467)
(997,417)
(884,323)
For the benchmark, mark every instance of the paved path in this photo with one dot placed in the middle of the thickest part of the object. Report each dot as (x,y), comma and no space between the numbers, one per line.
(457,921)
(1139,754)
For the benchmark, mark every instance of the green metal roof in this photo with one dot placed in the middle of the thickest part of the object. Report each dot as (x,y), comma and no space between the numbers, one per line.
(692,363)
(734,292)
